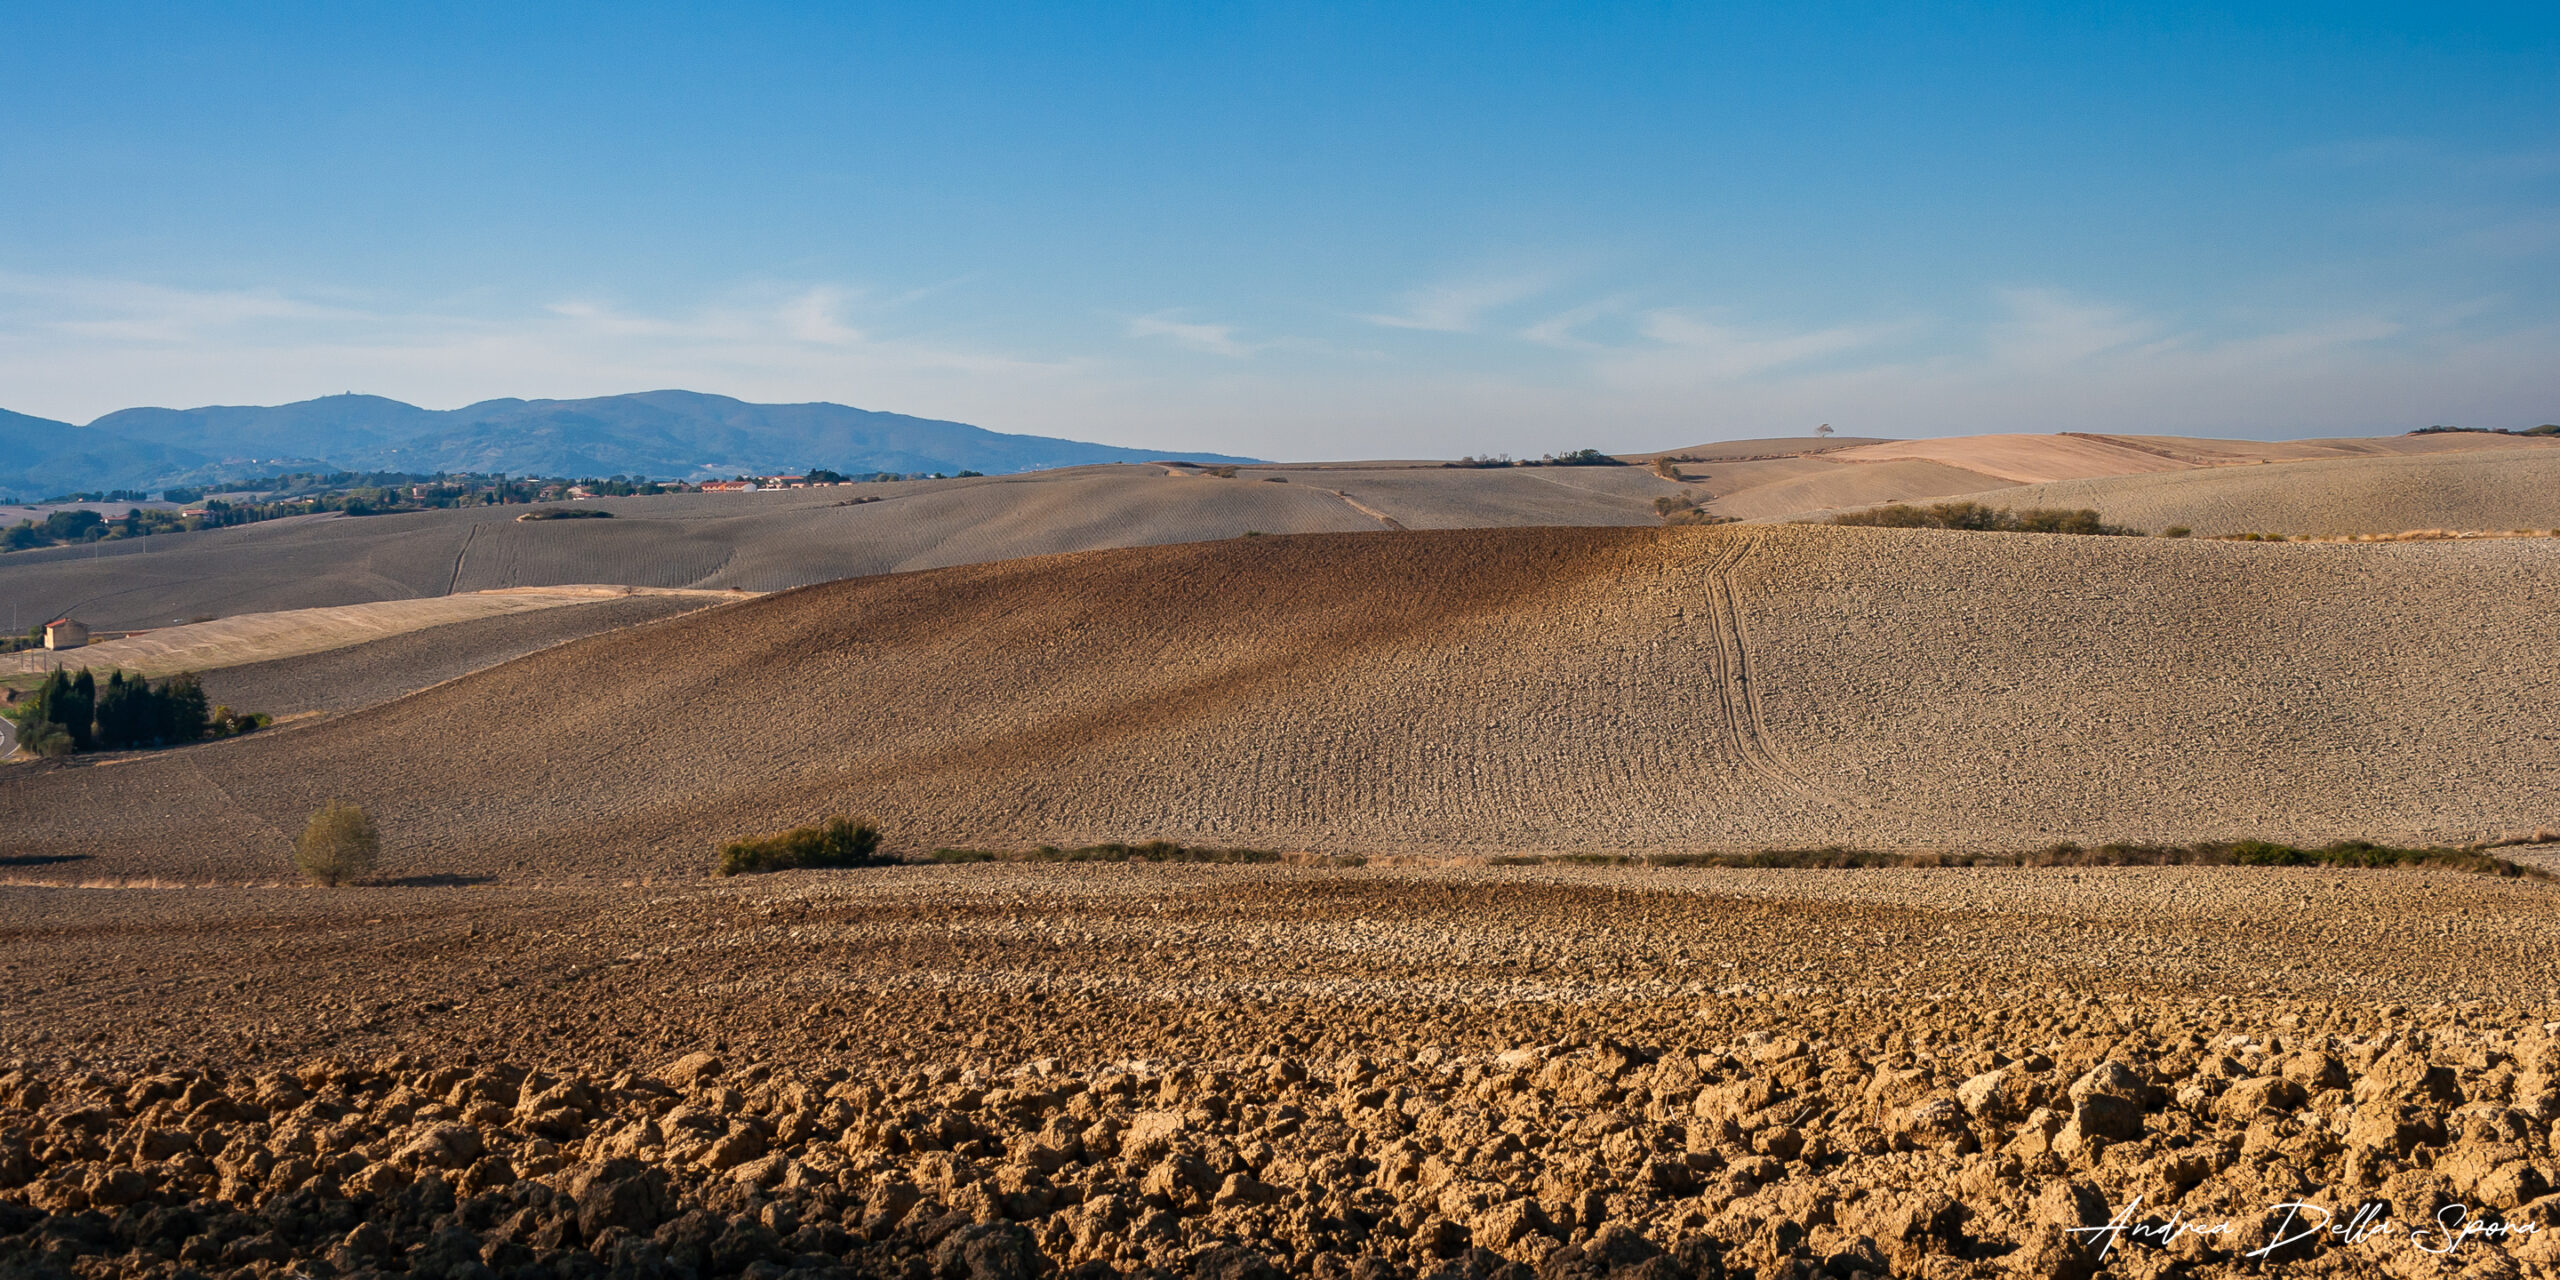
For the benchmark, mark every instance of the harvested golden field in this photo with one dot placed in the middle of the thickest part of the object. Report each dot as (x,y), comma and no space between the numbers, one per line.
(1484,692)
(270,637)
(2072,455)
(1003,1072)
(2336,497)
(2343,486)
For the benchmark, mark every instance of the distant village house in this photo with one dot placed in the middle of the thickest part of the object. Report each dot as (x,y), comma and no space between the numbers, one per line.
(63,633)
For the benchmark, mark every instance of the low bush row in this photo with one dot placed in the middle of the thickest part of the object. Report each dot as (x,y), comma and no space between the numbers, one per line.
(837,842)
(2246,853)
(1151,851)
(1980,517)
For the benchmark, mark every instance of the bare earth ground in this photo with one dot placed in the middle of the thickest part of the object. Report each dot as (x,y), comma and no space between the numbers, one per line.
(377,671)
(774,541)
(543,1046)
(1003,1071)
(1545,690)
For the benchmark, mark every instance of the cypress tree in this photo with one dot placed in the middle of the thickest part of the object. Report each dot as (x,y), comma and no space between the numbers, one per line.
(184,712)
(79,710)
(49,698)
(115,714)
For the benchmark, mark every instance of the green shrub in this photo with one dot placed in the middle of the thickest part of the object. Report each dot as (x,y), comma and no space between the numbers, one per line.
(227,723)
(837,842)
(2176,531)
(1685,510)
(566,513)
(963,855)
(337,845)
(45,739)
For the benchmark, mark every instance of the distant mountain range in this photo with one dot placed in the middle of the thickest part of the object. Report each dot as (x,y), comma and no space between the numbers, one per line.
(665,435)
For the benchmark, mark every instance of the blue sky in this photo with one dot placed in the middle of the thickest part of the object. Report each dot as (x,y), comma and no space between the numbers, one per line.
(1294,231)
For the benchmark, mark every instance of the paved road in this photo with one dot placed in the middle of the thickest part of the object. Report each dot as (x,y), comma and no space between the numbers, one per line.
(8,738)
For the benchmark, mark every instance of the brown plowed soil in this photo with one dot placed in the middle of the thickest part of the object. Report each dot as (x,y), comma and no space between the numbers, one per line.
(1101,1072)
(1478,691)
(359,676)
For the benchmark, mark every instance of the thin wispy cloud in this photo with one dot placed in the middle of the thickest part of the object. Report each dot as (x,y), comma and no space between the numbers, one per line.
(1681,348)
(2046,328)
(1562,330)
(136,312)
(1213,339)
(1459,307)
(76,347)
(1635,376)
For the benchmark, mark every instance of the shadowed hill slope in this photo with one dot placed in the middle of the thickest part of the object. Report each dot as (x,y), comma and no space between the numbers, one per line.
(771,541)
(1536,689)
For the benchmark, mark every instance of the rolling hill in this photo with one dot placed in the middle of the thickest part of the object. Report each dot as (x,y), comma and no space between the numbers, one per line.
(771,541)
(1539,690)
(776,540)
(657,434)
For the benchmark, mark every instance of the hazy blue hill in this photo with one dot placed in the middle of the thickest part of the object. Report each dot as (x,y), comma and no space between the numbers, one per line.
(26,440)
(690,433)
(661,434)
(38,455)
(326,428)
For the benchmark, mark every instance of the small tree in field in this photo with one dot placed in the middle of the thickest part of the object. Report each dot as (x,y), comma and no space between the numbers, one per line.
(338,845)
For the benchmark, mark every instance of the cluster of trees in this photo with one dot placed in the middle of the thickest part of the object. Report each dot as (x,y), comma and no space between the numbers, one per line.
(78,712)
(60,528)
(1985,519)
(1577,458)
(824,475)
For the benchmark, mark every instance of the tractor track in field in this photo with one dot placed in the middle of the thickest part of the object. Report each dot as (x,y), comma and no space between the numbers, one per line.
(1746,727)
